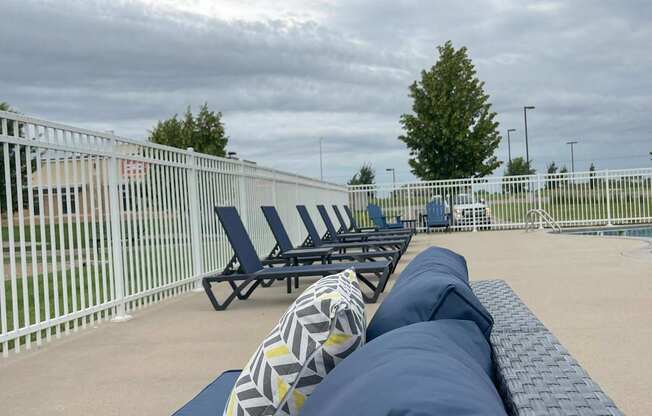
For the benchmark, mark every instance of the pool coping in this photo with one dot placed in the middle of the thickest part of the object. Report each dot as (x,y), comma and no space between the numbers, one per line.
(643,252)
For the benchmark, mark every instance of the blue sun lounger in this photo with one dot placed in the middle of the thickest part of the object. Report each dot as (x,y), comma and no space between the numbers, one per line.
(284,248)
(245,272)
(315,240)
(344,229)
(353,227)
(332,235)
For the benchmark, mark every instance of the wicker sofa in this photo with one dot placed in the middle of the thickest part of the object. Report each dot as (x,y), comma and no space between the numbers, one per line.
(535,374)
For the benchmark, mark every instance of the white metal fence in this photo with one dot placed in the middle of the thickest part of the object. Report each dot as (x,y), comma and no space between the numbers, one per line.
(579,199)
(94,225)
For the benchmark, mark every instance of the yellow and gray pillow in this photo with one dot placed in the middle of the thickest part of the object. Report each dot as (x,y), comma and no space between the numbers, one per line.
(321,328)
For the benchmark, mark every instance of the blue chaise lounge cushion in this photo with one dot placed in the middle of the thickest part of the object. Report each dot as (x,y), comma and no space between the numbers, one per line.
(211,401)
(429,368)
(427,293)
(436,259)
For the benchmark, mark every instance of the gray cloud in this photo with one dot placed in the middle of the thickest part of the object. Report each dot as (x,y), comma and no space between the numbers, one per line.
(282,83)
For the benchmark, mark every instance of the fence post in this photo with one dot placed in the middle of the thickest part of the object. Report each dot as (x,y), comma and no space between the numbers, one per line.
(243,198)
(475,225)
(606,180)
(296,215)
(195,213)
(115,194)
(409,201)
(274,188)
(539,202)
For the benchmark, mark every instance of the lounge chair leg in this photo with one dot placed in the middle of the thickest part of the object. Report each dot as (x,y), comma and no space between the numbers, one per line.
(296,282)
(384,277)
(250,290)
(288,282)
(236,293)
(267,283)
(376,289)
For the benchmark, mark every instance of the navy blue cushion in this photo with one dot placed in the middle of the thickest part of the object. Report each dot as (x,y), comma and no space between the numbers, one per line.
(428,292)
(436,259)
(212,399)
(430,368)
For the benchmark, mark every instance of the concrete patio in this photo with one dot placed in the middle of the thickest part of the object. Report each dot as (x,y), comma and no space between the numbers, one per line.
(594,293)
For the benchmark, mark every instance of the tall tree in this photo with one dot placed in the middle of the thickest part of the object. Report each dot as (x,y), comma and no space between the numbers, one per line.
(204,133)
(452,132)
(552,168)
(365,176)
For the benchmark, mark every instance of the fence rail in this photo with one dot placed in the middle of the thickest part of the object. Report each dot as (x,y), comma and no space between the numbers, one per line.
(572,199)
(94,225)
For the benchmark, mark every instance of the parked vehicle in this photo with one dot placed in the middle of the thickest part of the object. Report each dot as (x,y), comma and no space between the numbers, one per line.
(467,213)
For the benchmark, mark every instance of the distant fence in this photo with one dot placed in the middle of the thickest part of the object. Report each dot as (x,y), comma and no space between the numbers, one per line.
(94,225)
(572,200)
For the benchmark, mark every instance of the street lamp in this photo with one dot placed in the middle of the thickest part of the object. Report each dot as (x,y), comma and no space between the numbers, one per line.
(509,145)
(393,176)
(572,143)
(527,149)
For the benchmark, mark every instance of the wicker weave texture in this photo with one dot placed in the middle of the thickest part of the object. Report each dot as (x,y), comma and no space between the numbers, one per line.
(535,374)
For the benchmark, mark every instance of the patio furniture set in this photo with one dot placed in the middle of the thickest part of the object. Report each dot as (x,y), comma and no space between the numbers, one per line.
(438,343)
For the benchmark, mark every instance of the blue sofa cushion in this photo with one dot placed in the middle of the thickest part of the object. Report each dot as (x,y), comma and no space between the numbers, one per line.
(435,259)
(427,293)
(429,368)
(211,401)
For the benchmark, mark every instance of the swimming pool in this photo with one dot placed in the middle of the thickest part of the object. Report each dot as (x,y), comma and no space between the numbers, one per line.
(644,231)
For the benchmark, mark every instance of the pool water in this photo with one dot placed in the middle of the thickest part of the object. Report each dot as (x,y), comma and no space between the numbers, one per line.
(625,232)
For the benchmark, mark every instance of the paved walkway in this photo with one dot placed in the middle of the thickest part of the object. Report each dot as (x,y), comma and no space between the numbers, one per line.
(595,299)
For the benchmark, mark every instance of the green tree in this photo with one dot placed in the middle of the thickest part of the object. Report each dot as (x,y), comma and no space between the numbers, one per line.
(365,176)
(551,170)
(14,151)
(452,132)
(204,133)
(592,179)
(518,166)
(563,169)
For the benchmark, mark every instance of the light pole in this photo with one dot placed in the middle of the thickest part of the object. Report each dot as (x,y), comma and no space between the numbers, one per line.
(527,148)
(393,176)
(572,143)
(509,145)
(321,161)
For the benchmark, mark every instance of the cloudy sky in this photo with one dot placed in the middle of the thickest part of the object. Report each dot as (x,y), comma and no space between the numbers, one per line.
(285,73)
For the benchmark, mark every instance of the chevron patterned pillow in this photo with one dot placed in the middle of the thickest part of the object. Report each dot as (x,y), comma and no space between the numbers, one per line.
(321,328)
